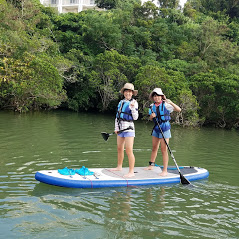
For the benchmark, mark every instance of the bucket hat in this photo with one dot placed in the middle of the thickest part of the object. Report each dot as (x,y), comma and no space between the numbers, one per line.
(129,86)
(158,91)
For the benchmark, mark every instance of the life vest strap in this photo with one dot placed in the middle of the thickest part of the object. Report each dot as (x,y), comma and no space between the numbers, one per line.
(121,119)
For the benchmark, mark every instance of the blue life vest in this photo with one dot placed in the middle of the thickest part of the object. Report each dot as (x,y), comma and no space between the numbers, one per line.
(163,117)
(124,112)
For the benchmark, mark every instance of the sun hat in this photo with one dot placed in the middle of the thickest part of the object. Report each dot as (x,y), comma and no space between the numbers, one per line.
(158,91)
(129,86)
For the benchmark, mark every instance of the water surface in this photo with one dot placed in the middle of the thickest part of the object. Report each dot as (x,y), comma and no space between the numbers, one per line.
(53,140)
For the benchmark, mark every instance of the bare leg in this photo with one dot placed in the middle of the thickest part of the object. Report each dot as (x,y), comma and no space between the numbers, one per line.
(129,142)
(155,147)
(120,150)
(164,151)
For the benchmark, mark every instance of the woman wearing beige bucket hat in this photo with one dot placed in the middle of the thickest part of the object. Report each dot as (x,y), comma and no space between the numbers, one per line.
(159,112)
(127,112)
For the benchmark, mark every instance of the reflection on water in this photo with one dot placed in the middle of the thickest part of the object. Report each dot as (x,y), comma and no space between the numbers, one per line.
(29,209)
(206,211)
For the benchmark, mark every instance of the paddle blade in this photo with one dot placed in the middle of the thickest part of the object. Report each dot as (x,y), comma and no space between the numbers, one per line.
(184,180)
(105,136)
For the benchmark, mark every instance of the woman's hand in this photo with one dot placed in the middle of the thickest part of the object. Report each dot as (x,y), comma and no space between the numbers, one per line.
(176,107)
(168,101)
(132,103)
(153,115)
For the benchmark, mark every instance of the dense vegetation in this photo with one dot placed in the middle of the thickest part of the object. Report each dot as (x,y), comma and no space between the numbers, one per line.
(80,61)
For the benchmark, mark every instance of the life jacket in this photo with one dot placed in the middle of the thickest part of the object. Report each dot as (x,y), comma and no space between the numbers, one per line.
(124,112)
(163,117)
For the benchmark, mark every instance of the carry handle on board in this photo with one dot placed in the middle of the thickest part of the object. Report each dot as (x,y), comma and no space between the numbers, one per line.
(182,178)
(106,135)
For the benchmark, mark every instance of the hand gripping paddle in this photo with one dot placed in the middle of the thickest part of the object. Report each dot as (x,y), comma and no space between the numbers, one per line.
(106,135)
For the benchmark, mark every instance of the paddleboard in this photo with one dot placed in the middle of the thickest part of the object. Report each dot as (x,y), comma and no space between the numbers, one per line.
(104,177)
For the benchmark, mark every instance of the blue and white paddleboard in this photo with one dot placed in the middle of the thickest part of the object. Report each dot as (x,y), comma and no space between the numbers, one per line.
(104,177)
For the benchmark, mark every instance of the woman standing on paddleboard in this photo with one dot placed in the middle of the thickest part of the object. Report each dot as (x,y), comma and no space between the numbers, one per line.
(127,112)
(160,111)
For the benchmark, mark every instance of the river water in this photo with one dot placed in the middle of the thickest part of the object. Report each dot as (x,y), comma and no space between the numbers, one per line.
(54,140)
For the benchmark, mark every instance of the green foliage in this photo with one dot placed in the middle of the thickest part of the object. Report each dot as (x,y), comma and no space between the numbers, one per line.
(214,49)
(111,71)
(107,4)
(81,60)
(91,32)
(30,83)
(227,90)
(169,3)
(230,7)
(173,83)
(189,115)
(110,4)
(233,31)
(188,68)
(203,87)
(31,72)
(145,12)
(218,98)
(81,94)
(101,33)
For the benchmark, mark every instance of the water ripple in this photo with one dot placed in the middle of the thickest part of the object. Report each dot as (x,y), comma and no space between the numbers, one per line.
(29,209)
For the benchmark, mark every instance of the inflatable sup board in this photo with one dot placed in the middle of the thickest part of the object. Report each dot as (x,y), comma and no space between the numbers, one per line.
(104,177)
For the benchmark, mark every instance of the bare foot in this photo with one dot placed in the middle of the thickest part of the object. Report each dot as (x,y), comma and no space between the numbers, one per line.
(129,175)
(116,169)
(149,168)
(163,174)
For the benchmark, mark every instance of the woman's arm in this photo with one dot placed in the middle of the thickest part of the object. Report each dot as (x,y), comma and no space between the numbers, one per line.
(175,107)
(134,109)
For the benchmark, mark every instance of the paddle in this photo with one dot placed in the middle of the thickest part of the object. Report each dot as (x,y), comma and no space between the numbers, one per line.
(106,135)
(182,178)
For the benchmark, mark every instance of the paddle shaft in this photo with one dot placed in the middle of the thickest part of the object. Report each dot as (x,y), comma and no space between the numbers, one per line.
(183,179)
(120,131)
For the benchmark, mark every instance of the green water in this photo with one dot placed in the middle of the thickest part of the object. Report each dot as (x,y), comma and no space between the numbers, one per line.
(52,140)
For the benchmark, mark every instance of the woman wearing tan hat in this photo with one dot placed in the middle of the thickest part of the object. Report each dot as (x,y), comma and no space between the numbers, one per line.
(127,112)
(160,109)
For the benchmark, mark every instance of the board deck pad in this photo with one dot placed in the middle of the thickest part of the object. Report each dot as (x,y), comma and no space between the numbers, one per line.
(142,173)
(104,177)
